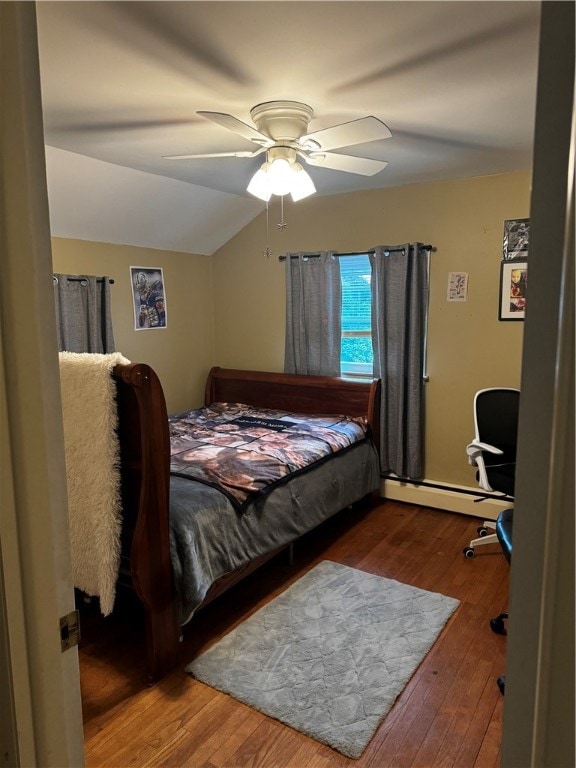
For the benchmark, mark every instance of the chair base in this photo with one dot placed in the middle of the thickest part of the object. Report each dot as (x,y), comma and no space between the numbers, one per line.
(501,683)
(484,538)
(497,624)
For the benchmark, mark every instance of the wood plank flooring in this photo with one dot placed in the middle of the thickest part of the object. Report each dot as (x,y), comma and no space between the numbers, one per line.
(449,714)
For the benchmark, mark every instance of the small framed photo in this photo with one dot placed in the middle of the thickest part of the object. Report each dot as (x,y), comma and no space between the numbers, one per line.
(457,286)
(516,239)
(513,279)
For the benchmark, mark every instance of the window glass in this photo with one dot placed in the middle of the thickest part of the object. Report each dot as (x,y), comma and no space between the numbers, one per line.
(356,350)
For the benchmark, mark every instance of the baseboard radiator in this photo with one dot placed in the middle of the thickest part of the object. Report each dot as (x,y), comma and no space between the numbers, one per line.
(445,496)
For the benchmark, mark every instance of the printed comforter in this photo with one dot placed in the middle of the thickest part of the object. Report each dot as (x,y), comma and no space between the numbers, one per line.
(245,451)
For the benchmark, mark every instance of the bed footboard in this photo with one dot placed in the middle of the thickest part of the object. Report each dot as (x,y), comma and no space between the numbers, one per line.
(145,473)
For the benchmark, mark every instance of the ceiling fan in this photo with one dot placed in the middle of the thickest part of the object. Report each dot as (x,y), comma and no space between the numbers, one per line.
(281,132)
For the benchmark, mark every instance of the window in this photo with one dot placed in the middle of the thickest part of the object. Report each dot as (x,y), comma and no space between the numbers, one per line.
(356,356)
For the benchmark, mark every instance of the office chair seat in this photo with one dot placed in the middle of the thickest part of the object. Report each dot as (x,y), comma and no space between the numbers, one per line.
(504,526)
(501,477)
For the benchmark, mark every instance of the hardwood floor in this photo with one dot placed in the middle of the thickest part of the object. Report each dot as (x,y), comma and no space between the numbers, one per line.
(449,714)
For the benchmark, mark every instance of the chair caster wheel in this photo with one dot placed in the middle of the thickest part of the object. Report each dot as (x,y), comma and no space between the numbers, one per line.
(501,683)
(497,625)
(468,552)
(482,531)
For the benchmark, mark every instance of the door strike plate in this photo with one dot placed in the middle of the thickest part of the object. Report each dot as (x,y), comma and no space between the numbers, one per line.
(69,630)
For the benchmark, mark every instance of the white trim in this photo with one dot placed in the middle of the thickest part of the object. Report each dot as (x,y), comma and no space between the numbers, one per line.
(17,721)
(449,497)
(44,703)
(365,370)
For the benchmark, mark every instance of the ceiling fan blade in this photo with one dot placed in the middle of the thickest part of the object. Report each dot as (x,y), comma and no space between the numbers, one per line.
(214,154)
(347,134)
(237,126)
(360,165)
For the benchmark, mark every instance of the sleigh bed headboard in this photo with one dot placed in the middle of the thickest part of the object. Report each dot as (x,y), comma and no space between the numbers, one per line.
(297,393)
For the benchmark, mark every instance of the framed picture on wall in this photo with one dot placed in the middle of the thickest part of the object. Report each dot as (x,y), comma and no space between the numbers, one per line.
(516,239)
(513,279)
(149,298)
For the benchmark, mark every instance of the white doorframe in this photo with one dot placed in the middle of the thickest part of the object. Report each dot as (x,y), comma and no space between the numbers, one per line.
(42,714)
(539,702)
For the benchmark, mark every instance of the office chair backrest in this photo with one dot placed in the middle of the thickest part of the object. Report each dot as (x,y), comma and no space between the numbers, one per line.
(496,422)
(496,419)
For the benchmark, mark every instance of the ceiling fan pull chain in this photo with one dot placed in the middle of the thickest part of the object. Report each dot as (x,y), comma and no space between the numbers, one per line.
(267,252)
(282,226)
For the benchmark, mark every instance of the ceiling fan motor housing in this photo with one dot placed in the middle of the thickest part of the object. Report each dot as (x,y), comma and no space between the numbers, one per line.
(282,120)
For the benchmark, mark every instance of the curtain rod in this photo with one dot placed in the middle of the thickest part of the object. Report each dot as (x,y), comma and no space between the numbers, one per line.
(81,279)
(359,253)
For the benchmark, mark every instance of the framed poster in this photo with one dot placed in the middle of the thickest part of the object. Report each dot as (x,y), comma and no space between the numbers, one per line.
(513,279)
(149,298)
(516,239)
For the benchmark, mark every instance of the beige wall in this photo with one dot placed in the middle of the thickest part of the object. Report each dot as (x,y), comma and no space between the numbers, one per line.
(228,309)
(468,348)
(183,352)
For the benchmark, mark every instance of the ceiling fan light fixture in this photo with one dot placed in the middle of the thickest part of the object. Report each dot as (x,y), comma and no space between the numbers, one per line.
(281,177)
(280,174)
(260,184)
(302,184)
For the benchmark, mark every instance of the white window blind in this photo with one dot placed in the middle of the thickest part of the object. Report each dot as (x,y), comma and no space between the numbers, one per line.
(356,350)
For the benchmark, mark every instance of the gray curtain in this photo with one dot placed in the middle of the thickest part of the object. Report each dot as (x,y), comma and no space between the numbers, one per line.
(313,314)
(83,316)
(399,303)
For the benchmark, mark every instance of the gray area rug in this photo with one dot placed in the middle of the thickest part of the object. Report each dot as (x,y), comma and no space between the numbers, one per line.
(330,655)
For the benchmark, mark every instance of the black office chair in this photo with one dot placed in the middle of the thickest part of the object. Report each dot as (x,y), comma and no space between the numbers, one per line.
(493,451)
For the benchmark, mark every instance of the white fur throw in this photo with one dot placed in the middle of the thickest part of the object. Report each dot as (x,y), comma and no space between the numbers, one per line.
(92,471)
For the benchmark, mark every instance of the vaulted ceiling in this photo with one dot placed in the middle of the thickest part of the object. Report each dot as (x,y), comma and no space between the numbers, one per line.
(122,83)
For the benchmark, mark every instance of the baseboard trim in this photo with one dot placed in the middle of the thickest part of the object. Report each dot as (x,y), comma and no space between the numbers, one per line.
(452,498)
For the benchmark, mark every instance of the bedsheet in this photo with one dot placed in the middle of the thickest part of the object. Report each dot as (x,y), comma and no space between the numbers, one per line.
(243,451)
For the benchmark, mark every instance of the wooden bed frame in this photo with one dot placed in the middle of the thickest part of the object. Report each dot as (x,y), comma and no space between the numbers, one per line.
(145,471)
